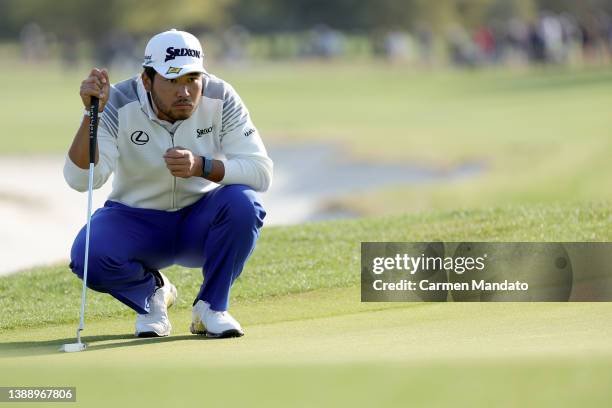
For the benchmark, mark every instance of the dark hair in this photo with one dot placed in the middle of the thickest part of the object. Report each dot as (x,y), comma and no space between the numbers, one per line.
(150,72)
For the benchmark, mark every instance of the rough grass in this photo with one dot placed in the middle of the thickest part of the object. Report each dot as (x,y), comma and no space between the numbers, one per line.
(311,342)
(307,257)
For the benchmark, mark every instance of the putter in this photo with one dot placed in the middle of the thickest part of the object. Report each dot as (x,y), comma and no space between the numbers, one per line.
(93,130)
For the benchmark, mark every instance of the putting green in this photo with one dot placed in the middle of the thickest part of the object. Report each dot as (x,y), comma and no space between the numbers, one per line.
(325,347)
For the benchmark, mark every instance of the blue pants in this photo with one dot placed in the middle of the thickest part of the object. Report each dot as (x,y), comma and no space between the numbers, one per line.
(217,233)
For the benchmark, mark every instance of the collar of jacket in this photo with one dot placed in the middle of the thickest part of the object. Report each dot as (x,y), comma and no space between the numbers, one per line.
(146,104)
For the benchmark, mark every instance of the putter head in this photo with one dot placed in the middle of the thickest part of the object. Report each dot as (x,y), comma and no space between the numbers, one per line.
(73,347)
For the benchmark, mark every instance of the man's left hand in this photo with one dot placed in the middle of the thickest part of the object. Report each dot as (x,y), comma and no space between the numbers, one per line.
(183,163)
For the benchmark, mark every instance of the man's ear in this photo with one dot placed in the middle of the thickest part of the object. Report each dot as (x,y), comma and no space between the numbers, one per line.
(146,81)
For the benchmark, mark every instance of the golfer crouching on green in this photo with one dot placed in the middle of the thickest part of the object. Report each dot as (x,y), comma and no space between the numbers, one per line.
(187,161)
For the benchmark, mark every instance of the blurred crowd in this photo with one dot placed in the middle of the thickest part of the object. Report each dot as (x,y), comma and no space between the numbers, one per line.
(550,39)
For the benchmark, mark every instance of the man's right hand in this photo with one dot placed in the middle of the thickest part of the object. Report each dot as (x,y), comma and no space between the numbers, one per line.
(96,84)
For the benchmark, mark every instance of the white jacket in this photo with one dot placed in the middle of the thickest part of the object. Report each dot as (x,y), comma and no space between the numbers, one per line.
(132,141)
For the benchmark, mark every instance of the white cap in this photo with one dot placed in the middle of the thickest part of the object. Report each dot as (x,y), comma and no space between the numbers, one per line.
(174,53)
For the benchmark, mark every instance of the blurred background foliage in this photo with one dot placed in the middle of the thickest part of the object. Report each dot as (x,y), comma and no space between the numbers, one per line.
(93,19)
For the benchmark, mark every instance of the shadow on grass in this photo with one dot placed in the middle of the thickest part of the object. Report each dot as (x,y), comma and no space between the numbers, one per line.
(49,347)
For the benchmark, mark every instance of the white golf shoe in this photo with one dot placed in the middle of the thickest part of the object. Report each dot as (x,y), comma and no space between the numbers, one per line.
(212,323)
(156,322)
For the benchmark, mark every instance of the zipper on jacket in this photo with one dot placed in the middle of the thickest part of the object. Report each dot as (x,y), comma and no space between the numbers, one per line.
(174,179)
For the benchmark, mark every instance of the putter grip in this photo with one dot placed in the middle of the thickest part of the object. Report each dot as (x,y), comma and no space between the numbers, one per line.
(93,128)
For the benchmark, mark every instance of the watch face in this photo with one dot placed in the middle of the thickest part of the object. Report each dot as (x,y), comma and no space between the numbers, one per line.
(206,167)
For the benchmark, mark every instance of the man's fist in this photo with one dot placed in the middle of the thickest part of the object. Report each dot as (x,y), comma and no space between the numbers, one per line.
(96,84)
(183,163)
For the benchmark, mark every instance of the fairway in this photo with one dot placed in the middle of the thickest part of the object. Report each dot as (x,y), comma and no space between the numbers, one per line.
(420,354)
(310,341)
(537,136)
(540,141)
(356,189)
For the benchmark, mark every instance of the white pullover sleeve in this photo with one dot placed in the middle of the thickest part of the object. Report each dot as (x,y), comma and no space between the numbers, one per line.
(247,159)
(78,178)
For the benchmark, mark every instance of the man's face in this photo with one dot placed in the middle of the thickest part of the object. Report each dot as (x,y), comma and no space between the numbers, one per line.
(175,99)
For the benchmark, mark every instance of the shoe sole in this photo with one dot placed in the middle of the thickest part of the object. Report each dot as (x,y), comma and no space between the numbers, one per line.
(146,335)
(225,335)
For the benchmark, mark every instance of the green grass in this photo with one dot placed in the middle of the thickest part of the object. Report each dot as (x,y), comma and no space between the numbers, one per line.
(325,348)
(541,136)
(377,110)
(308,257)
(310,341)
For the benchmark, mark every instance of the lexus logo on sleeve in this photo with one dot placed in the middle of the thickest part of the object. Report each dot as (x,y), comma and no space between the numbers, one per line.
(139,137)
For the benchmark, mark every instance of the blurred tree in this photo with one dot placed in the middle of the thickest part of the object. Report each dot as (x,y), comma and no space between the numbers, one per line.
(522,9)
(278,15)
(86,17)
(6,22)
(92,19)
(150,16)
(575,7)
(391,14)
(473,13)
